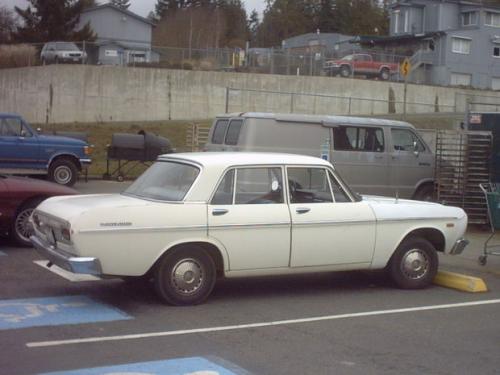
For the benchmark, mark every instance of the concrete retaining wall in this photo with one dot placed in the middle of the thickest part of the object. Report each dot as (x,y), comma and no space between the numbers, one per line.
(74,93)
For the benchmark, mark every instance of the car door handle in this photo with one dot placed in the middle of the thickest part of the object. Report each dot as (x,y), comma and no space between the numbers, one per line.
(302,210)
(219,211)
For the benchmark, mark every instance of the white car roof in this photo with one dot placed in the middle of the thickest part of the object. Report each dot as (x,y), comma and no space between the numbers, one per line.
(227,159)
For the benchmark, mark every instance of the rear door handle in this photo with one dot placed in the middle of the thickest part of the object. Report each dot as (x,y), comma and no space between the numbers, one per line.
(302,210)
(219,211)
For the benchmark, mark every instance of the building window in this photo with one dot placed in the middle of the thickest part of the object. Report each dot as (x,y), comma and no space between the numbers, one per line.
(492,19)
(496,51)
(469,18)
(460,45)
(460,79)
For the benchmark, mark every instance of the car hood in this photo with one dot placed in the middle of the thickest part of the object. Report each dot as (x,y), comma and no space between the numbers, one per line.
(387,208)
(61,140)
(67,208)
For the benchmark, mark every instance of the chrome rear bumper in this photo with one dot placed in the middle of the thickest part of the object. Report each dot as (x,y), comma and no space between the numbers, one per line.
(85,265)
(459,246)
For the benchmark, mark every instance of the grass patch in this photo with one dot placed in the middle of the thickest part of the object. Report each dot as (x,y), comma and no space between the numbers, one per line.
(100,136)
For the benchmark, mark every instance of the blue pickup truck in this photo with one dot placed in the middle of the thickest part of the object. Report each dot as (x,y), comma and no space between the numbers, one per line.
(23,151)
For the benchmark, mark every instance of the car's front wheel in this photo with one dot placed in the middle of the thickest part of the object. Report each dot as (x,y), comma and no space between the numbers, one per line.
(345,71)
(185,277)
(414,264)
(385,74)
(21,229)
(63,172)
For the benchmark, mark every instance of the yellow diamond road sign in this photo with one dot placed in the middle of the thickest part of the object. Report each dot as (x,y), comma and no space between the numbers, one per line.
(405,67)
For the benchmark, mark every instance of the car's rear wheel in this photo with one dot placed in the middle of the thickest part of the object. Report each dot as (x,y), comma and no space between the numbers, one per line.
(185,277)
(21,229)
(414,264)
(63,172)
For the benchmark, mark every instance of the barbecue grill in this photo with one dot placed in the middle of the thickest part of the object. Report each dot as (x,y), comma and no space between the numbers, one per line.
(131,150)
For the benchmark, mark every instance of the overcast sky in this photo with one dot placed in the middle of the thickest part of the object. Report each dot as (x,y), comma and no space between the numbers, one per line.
(143,7)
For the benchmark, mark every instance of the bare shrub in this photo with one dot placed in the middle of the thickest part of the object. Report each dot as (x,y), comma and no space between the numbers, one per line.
(15,56)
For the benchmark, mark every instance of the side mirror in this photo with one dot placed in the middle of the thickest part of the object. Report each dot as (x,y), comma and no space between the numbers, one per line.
(415,148)
(39,130)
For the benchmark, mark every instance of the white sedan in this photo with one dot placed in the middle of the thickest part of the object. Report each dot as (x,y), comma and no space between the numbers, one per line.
(191,218)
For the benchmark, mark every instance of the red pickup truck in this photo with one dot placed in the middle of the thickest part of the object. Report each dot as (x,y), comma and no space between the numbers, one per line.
(362,64)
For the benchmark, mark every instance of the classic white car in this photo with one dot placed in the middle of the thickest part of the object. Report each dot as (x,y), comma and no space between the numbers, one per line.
(191,218)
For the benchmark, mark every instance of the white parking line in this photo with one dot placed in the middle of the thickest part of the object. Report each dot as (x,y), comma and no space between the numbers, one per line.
(257,325)
(73,277)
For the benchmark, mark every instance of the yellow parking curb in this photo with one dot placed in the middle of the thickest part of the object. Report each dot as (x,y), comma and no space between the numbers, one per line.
(461,282)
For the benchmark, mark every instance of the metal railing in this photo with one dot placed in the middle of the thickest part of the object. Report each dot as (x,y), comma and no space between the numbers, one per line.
(249,100)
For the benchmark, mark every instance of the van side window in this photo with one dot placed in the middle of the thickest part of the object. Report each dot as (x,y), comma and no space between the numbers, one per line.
(224,192)
(233,132)
(219,131)
(406,140)
(355,138)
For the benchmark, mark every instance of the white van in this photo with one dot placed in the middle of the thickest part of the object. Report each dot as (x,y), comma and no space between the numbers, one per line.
(375,156)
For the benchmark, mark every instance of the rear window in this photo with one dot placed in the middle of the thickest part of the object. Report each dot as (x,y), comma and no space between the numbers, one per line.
(233,132)
(219,131)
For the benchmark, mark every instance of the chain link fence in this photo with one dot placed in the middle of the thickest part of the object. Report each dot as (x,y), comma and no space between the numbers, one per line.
(254,60)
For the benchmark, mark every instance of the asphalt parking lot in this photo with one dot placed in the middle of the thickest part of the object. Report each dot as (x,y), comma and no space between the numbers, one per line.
(343,323)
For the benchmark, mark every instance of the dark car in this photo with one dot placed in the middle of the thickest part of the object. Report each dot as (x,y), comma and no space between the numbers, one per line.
(23,151)
(18,197)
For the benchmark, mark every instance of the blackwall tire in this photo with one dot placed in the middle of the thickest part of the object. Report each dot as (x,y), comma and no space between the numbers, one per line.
(345,71)
(414,264)
(426,193)
(185,277)
(63,172)
(385,74)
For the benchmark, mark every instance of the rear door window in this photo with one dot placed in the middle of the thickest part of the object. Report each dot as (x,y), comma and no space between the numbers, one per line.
(219,131)
(233,132)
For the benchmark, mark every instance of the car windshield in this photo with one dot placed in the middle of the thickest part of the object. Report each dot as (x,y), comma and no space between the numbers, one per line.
(67,47)
(164,180)
(348,57)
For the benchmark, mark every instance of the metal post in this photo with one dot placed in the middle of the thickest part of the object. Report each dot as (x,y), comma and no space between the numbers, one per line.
(404,97)
(350,99)
(83,50)
(291,102)
(227,100)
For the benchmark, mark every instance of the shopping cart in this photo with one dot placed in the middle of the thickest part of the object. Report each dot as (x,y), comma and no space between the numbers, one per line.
(492,194)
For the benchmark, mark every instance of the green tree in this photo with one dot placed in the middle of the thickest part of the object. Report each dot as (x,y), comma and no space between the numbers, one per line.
(252,26)
(325,18)
(235,17)
(48,20)
(7,24)
(284,19)
(123,4)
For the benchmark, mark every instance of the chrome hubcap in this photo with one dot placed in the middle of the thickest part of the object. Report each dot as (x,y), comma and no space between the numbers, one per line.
(21,225)
(62,175)
(415,264)
(187,276)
